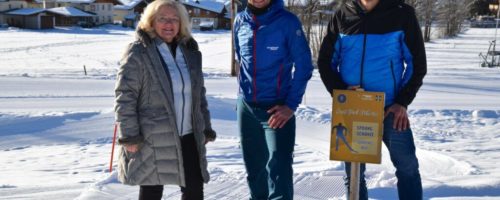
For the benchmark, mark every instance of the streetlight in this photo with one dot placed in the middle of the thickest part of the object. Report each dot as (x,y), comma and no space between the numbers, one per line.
(494,8)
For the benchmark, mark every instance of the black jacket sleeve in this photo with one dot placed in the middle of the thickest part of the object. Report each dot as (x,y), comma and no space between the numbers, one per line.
(415,43)
(331,79)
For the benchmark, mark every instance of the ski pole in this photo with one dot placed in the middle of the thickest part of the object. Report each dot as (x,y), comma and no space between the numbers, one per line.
(112,150)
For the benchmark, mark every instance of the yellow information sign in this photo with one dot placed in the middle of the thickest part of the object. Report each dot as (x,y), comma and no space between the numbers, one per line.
(357,126)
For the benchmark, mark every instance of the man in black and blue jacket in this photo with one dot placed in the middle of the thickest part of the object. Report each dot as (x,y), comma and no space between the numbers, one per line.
(377,45)
(276,64)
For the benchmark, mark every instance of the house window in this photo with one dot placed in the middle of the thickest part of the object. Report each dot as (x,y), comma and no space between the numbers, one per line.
(207,12)
(109,19)
(103,7)
(21,5)
(10,6)
(197,11)
(109,7)
(92,8)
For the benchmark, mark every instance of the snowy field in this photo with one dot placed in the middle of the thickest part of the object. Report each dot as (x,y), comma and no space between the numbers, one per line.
(56,123)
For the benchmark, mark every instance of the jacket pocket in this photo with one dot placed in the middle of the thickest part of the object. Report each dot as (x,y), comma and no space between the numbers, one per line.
(129,165)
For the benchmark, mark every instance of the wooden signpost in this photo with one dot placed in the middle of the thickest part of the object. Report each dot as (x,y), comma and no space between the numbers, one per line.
(357,128)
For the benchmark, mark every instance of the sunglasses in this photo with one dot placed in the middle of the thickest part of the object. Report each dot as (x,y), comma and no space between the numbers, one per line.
(163,20)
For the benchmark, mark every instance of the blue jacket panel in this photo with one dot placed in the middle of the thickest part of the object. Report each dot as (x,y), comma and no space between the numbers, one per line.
(274,56)
(383,70)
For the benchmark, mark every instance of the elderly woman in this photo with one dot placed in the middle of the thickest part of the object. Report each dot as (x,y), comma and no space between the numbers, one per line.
(161,109)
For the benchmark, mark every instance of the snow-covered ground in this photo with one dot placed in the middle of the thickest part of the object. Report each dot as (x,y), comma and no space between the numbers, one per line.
(56,123)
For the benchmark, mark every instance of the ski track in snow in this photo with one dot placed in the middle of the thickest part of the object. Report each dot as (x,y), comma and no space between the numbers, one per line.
(226,167)
(63,154)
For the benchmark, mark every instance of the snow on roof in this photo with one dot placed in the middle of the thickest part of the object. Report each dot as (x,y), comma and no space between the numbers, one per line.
(127,4)
(26,11)
(121,7)
(67,1)
(130,3)
(70,12)
(206,5)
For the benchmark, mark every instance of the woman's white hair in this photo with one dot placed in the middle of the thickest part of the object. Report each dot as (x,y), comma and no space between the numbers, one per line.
(149,15)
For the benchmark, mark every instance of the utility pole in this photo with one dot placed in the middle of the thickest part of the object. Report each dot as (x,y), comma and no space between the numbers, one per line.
(234,9)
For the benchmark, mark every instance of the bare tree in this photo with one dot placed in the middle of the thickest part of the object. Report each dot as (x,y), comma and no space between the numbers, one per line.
(314,15)
(451,14)
(479,7)
(427,13)
(307,16)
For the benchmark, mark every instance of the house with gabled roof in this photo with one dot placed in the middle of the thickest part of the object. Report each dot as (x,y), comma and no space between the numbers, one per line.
(207,12)
(31,18)
(102,10)
(129,12)
(69,16)
(64,12)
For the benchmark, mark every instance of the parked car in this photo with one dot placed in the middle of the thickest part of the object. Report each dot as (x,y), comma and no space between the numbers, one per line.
(483,22)
(85,24)
(206,26)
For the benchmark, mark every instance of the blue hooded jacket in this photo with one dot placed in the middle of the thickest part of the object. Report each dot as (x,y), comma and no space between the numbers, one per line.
(268,47)
(381,51)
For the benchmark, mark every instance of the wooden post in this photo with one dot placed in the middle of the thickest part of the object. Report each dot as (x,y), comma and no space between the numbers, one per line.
(355,168)
(354,183)
(85,70)
(233,15)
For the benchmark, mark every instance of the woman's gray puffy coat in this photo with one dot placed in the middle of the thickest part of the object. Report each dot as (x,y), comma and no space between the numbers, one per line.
(146,116)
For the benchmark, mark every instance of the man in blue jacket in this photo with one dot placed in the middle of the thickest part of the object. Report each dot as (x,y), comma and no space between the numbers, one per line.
(377,45)
(275,65)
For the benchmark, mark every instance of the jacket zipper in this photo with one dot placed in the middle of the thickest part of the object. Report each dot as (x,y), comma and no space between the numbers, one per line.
(363,55)
(393,77)
(255,59)
(192,89)
(183,95)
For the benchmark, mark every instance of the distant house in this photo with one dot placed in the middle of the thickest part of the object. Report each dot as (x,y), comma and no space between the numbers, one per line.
(128,12)
(205,13)
(39,18)
(69,16)
(9,5)
(30,18)
(102,10)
